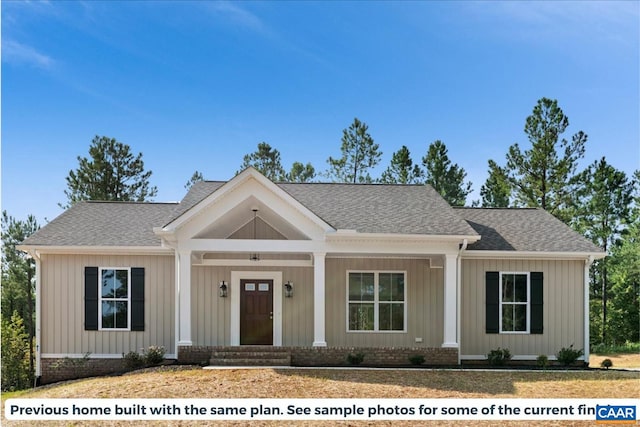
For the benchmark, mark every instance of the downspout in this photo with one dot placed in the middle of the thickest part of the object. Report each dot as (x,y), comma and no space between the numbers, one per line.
(463,247)
(587,338)
(38,368)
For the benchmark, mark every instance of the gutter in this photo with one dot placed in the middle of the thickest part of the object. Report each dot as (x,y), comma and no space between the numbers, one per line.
(463,247)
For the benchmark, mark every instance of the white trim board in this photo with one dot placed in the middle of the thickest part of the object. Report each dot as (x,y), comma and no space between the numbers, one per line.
(92,356)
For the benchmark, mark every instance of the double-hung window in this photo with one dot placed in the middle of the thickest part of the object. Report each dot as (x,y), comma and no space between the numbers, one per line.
(115,298)
(514,302)
(376,301)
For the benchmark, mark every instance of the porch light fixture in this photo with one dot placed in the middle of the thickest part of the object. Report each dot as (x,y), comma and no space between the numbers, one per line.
(288,289)
(254,256)
(223,289)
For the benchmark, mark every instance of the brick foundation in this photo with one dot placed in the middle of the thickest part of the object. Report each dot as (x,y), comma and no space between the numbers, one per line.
(54,370)
(337,356)
(62,369)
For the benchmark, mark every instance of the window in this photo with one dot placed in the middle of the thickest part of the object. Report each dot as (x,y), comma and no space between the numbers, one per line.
(514,302)
(376,301)
(114,298)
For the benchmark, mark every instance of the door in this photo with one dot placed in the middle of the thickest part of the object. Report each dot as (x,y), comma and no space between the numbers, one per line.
(256,312)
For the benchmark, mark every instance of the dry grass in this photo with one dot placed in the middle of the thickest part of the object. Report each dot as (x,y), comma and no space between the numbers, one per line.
(622,360)
(299,383)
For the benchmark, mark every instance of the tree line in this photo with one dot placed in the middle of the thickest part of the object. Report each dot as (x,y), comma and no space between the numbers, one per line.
(599,201)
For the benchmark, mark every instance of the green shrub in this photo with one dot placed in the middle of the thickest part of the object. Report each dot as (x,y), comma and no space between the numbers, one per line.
(606,363)
(15,354)
(154,355)
(568,356)
(416,359)
(542,361)
(627,347)
(355,359)
(499,356)
(74,364)
(133,360)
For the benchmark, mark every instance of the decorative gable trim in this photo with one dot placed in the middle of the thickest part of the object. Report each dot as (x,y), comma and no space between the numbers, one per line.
(249,183)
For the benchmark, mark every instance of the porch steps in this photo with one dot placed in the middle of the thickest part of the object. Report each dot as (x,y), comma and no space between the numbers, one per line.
(250,356)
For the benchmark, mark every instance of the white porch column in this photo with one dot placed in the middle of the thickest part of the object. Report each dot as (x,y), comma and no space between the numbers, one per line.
(319,299)
(450,301)
(183,276)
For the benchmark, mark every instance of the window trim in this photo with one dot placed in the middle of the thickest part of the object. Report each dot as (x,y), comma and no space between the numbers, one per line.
(501,303)
(100,299)
(376,302)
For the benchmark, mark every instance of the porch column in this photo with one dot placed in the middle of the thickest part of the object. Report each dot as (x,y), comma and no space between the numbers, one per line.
(450,301)
(183,276)
(318,299)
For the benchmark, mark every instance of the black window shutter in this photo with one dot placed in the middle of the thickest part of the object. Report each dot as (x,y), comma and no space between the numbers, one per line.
(536,302)
(91,298)
(137,299)
(492,302)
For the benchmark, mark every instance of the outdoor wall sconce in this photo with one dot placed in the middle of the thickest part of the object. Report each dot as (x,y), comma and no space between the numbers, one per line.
(288,289)
(223,289)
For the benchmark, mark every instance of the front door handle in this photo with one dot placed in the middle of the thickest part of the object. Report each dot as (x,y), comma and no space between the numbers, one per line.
(271,315)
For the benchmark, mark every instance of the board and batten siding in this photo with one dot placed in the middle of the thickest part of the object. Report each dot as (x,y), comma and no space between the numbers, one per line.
(62,311)
(211,314)
(563,308)
(424,289)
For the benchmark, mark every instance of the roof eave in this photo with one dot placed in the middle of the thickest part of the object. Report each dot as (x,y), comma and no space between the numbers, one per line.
(102,250)
(351,234)
(541,255)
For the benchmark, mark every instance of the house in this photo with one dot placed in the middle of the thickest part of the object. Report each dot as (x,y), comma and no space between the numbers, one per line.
(315,270)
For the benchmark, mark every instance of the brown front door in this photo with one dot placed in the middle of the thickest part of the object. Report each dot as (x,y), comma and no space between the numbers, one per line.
(256,312)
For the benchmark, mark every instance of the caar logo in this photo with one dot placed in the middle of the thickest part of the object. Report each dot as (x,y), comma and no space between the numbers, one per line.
(616,414)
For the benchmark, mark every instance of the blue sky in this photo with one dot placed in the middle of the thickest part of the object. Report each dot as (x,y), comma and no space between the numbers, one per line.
(196,85)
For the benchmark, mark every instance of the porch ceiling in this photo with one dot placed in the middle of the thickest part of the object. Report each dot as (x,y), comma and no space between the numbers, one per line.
(242,214)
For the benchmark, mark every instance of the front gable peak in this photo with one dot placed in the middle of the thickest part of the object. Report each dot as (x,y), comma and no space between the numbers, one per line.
(230,207)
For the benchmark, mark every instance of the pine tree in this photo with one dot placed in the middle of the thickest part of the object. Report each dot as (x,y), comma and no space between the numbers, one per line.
(265,160)
(111,173)
(496,191)
(18,277)
(402,170)
(300,173)
(601,212)
(359,155)
(446,178)
(624,276)
(196,177)
(540,176)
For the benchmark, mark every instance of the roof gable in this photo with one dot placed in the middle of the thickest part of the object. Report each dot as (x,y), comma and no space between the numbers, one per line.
(230,205)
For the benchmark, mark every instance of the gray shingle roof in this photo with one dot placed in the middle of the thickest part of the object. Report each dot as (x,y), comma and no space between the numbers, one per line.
(366,208)
(104,224)
(198,191)
(377,208)
(534,230)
